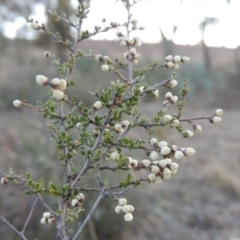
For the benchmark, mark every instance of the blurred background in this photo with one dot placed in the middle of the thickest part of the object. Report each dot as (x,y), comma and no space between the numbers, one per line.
(203,200)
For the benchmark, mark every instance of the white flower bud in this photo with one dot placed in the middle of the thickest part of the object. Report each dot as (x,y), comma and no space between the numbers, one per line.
(154,155)
(135,61)
(138,43)
(146,163)
(134,163)
(105,68)
(185,59)
(47,54)
(17,103)
(51,220)
(125,123)
(118,127)
(174,166)
(188,133)
(107,59)
(174,148)
(133,51)
(216,119)
(165,150)
(74,202)
(131,208)
(62,84)
(123,43)
(169,64)
(99,58)
(166,171)
(134,21)
(57,94)
(165,176)
(128,217)
(122,201)
(156,93)
(167,118)
(168,160)
(153,141)
(162,163)
(125,209)
(168,58)
(168,95)
(80,197)
(189,152)
(114,24)
(4,180)
(86,5)
(155,162)
(43,220)
(173,172)
(178,155)
(162,144)
(158,180)
(154,169)
(176,59)
(174,99)
(219,112)
(175,123)
(197,128)
(175,66)
(131,41)
(172,83)
(55,82)
(141,89)
(97,105)
(119,34)
(114,155)
(41,80)
(34,26)
(151,177)
(46,214)
(118,209)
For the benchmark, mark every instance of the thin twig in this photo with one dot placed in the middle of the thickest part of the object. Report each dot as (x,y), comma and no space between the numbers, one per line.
(20,234)
(100,197)
(29,216)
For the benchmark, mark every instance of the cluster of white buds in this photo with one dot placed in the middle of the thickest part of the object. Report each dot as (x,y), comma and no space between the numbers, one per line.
(132,55)
(167,150)
(169,99)
(4,181)
(136,41)
(119,128)
(173,62)
(124,208)
(217,116)
(97,105)
(47,218)
(160,169)
(58,85)
(132,163)
(78,201)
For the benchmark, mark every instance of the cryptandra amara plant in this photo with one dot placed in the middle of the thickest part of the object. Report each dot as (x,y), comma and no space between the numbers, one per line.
(103,130)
